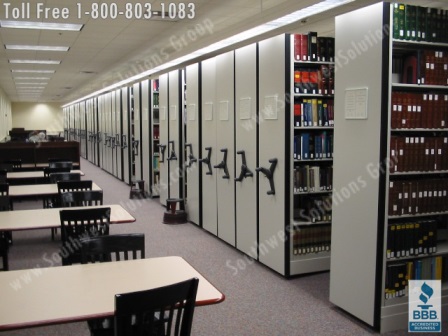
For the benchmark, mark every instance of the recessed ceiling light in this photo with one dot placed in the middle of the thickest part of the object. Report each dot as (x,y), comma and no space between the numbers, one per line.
(35,47)
(15,61)
(37,83)
(40,25)
(34,71)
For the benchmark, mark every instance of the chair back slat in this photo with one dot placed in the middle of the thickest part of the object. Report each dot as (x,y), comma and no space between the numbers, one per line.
(81,198)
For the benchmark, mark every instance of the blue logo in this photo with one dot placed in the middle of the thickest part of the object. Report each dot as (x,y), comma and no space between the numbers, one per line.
(425,306)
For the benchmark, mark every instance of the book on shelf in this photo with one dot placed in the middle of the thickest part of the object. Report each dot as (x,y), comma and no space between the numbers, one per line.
(312,178)
(314,112)
(313,146)
(312,208)
(311,239)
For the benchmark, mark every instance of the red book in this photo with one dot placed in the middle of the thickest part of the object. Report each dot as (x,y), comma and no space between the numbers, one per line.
(409,70)
(314,81)
(297,115)
(304,47)
(297,47)
(298,81)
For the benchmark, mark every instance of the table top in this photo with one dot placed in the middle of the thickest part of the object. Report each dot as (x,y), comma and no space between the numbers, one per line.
(49,218)
(47,189)
(32,174)
(80,292)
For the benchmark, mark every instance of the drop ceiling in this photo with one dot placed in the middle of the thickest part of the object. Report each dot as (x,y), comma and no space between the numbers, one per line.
(110,50)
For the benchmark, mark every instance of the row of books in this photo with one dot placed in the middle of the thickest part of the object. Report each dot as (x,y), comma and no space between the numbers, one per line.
(315,80)
(310,47)
(418,154)
(411,239)
(418,196)
(419,110)
(156,132)
(155,85)
(156,100)
(398,274)
(314,112)
(416,23)
(425,67)
(313,178)
(312,146)
(156,162)
(311,239)
(313,208)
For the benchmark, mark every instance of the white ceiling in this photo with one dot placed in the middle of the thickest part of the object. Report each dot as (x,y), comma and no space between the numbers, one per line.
(107,51)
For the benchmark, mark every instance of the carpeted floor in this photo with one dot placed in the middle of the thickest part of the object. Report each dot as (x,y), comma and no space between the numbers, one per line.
(258,301)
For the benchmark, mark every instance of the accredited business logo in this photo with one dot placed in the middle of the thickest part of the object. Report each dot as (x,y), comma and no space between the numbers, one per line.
(425,314)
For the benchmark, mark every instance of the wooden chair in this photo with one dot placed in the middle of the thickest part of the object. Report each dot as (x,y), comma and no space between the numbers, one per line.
(106,249)
(113,248)
(3,176)
(61,164)
(56,177)
(6,166)
(5,236)
(81,198)
(4,191)
(81,223)
(16,164)
(165,310)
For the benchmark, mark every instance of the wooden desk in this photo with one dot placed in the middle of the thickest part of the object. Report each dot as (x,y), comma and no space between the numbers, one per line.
(36,174)
(81,292)
(29,190)
(49,218)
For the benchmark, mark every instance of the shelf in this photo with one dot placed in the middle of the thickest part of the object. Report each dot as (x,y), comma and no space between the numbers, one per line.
(299,223)
(436,172)
(313,160)
(316,95)
(312,192)
(303,128)
(418,86)
(403,300)
(398,130)
(312,62)
(412,44)
(429,214)
(442,249)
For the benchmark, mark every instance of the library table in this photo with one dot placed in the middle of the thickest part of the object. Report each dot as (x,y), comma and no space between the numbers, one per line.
(30,190)
(36,174)
(88,290)
(49,218)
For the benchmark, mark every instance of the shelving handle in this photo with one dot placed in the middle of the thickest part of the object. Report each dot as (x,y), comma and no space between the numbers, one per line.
(245,172)
(117,140)
(207,160)
(135,144)
(124,144)
(191,158)
(162,149)
(172,152)
(223,164)
(269,173)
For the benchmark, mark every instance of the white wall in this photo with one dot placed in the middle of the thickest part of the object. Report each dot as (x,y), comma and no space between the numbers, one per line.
(32,116)
(5,115)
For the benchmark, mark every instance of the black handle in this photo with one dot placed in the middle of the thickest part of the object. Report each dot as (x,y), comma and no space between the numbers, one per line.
(124,144)
(172,153)
(245,172)
(112,142)
(162,152)
(135,144)
(269,173)
(191,158)
(99,137)
(106,139)
(207,161)
(117,140)
(223,164)
(90,136)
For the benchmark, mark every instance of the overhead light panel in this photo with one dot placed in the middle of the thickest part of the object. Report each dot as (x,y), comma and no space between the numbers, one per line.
(36,84)
(31,78)
(16,61)
(33,71)
(35,47)
(40,25)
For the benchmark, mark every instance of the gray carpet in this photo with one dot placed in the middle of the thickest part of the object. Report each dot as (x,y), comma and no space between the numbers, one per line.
(258,301)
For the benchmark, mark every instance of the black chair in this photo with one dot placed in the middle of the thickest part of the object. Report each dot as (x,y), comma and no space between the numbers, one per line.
(106,249)
(58,160)
(3,176)
(113,248)
(4,191)
(81,198)
(165,310)
(48,171)
(16,164)
(61,164)
(81,223)
(5,236)
(6,166)
(56,177)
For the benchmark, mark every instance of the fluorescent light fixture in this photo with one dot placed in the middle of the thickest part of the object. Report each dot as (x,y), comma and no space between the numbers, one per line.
(293,17)
(33,71)
(40,25)
(16,61)
(37,83)
(35,47)
(31,78)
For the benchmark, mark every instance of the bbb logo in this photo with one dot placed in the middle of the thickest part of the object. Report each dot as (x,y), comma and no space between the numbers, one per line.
(425,313)
(425,306)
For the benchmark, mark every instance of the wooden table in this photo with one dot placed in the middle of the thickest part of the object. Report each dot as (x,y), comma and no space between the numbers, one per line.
(34,174)
(49,218)
(39,190)
(80,292)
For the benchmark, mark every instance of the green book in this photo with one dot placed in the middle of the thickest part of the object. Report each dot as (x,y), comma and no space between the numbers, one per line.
(421,23)
(398,21)
(410,22)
